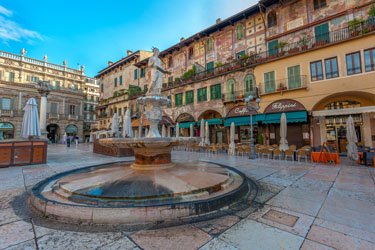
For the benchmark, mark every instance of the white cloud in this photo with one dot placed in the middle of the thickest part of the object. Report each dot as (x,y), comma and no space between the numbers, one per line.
(12,31)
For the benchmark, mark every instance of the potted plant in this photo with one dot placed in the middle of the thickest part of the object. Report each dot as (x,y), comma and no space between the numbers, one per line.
(281,45)
(303,42)
(355,27)
(281,87)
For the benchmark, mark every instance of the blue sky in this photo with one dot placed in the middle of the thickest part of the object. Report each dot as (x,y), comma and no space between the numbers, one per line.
(93,32)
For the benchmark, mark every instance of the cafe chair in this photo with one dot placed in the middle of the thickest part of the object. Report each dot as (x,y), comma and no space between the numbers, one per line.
(289,153)
(277,153)
(302,153)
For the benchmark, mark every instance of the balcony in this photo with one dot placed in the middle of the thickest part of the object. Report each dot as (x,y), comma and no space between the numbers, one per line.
(236,96)
(282,50)
(283,85)
(73,117)
(6,113)
(53,116)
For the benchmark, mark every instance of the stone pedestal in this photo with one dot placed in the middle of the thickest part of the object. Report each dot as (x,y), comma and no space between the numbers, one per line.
(43,89)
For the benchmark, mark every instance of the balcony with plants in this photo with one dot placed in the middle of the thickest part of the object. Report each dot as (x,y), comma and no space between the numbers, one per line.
(283,85)
(237,96)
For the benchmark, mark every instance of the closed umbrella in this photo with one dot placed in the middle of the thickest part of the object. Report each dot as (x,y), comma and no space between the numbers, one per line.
(30,122)
(207,136)
(201,143)
(191,130)
(232,146)
(283,130)
(114,127)
(177,130)
(352,139)
(91,138)
(127,130)
(163,131)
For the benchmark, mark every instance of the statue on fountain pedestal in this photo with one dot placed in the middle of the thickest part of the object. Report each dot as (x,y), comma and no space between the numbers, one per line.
(157,71)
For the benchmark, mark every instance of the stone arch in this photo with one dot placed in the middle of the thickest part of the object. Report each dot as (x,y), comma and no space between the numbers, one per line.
(363,98)
(185,117)
(210,114)
(71,129)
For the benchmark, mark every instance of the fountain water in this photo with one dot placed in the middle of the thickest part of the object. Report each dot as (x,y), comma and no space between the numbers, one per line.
(149,190)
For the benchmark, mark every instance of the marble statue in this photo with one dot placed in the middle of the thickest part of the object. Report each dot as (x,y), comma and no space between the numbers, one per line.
(154,63)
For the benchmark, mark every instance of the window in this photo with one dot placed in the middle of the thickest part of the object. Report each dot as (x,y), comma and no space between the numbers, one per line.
(120,80)
(53,108)
(189,97)
(353,63)
(11,77)
(143,72)
(331,67)
(210,67)
(240,32)
(231,89)
(273,48)
(322,33)
(319,4)
(240,54)
(115,82)
(170,101)
(210,45)
(316,69)
(294,77)
(72,109)
(215,92)
(178,99)
(191,52)
(269,82)
(249,85)
(101,87)
(57,85)
(202,94)
(370,60)
(272,19)
(170,62)
(6,103)
(33,78)
(135,74)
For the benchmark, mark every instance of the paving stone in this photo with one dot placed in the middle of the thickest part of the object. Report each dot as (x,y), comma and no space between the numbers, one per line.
(284,177)
(251,234)
(15,233)
(217,226)
(76,240)
(11,178)
(263,196)
(217,244)
(312,245)
(337,240)
(8,215)
(181,237)
(27,245)
(123,243)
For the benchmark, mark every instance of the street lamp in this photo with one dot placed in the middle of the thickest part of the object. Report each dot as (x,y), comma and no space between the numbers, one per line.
(252,106)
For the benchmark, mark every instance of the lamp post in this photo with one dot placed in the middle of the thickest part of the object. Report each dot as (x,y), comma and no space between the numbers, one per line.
(251,106)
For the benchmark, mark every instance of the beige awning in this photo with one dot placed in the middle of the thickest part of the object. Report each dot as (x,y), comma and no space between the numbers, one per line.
(348,111)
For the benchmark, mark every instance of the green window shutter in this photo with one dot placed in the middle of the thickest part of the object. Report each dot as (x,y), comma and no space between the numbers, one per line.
(135,74)
(189,96)
(210,67)
(273,48)
(294,77)
(120,80)
(322,33)
(269,82)
(249,85)
(240,54)
(230,89)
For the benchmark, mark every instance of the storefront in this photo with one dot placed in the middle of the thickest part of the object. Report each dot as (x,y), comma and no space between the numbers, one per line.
(71,130)
(184,121)
(6,131)
(216,127)
(298,128)
(240,116)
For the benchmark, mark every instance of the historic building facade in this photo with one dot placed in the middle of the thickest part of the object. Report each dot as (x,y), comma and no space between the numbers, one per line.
(313,59)
(18,77)
(91,91)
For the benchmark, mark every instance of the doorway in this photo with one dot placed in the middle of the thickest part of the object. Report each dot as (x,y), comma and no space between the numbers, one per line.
(53,133)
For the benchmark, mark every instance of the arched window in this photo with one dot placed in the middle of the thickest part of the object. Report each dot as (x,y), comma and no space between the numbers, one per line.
(249,85)
(71,130)
(231,89)
(210,44)
(240,31)
(6,131)
(272,19)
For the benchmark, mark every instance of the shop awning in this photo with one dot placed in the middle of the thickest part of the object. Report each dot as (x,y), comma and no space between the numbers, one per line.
(239,120)
(214,121)
(186,124)
(291,117)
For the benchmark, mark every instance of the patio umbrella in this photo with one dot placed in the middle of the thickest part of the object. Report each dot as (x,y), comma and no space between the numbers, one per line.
(91,138)
(191,130)
(202,133)
(30,123)
(207,136)
(177,130)
(351,136)
(127,130)
(146,131)
(163,131)
(114,127)
(283,129)
(232,146)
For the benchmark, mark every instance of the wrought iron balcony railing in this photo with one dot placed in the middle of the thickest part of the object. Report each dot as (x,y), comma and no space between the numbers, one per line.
(282,85)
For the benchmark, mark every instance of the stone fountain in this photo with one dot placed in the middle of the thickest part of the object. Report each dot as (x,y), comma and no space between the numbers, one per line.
(152,189)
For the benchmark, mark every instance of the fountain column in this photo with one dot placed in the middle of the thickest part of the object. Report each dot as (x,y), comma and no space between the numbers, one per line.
(44,90)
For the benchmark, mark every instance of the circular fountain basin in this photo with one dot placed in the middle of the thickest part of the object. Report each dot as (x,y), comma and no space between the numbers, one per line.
(118,194)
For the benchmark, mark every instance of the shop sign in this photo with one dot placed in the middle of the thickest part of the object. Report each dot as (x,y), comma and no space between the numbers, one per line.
(239,111)
(284,105)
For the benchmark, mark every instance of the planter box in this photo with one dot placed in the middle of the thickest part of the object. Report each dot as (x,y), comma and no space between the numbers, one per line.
(111,151)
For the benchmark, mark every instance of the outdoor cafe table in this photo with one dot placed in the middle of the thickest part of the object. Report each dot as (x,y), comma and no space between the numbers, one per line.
(324,157)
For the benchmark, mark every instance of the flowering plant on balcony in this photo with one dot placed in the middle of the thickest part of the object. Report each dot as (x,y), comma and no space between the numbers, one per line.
(281,87)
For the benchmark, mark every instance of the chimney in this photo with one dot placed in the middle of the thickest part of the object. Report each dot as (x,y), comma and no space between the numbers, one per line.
(129,52)
(110,63)
(181,39)
(218,20)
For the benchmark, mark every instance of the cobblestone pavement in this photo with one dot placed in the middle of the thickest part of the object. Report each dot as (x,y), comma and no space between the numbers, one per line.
(299,206)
